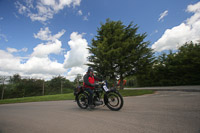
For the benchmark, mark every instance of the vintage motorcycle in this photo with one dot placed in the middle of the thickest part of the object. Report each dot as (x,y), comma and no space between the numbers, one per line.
(101,96)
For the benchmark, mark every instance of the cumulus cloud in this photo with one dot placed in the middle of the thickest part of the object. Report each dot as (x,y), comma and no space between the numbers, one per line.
(37,65)
(43,10)
(43,50)
(40,56)
(78,54)
(40,65)
(71,75)
(162,15)
(45,34)
(53,46)
(76,58)
(185,32)
(13,50)
(9,63)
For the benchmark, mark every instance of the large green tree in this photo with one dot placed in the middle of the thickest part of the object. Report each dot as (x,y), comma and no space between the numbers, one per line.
(119,51)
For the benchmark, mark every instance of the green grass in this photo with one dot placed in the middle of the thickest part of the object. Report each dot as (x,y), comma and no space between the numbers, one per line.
(68,96)
(57,97)
(126,93)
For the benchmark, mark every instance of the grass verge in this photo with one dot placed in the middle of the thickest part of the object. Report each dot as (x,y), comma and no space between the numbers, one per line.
(68,96)
(126,93)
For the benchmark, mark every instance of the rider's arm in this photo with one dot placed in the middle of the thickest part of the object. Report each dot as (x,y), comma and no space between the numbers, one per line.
(97,78)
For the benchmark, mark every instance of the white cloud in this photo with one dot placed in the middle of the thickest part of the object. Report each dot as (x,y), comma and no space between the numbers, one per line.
(13,50)
(8,62)
(80,12)
(178,35)
(43,10)
(43,50)
(53,46)
(39,65)
(24,50)
(85,18)
(162,15)
(78,54)
(1,18)
(45,35)
(193,8)
(154,32)
(71,75)
(21,8)
(76,58)
(3,36)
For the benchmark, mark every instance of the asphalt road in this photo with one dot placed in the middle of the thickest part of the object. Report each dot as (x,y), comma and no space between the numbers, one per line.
(193,88)
(162,112)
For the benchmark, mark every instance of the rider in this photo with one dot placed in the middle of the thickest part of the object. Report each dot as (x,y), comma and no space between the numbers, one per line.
(89,84)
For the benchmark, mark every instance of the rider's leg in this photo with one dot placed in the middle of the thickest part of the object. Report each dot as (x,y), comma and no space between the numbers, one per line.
(90,95)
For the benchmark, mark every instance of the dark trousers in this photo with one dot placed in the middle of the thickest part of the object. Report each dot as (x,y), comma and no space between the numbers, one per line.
(90,98)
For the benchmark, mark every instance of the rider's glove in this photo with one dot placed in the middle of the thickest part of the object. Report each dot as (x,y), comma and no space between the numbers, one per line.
(96,84)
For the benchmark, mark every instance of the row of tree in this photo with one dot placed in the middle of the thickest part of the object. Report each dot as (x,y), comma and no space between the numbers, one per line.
(16,86)
(179,68)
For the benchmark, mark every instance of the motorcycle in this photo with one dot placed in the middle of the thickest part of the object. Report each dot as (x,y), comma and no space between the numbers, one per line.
(102,96)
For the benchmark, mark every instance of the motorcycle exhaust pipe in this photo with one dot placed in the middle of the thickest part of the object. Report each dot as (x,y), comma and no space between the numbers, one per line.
(98,103)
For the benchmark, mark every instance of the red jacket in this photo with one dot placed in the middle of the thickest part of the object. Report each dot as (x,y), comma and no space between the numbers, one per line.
(88,81)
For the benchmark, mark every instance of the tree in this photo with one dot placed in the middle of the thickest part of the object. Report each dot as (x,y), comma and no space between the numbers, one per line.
(58,84)
(78,79)
(16,78)
(2,81)
(188,63)
(179,68)
(119,51)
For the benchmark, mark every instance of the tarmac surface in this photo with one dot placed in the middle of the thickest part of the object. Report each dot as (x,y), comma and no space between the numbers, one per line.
(162,112)
(191,88)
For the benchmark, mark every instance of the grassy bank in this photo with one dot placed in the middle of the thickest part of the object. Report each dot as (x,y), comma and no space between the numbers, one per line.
(68,96)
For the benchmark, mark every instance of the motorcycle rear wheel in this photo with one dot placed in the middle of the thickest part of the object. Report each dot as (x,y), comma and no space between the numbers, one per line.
(115,101)
(82,100)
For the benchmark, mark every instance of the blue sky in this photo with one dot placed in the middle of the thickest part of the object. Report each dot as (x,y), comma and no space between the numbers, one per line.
(46,38)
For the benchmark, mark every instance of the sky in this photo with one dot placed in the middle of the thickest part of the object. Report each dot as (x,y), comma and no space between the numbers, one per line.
(46,38)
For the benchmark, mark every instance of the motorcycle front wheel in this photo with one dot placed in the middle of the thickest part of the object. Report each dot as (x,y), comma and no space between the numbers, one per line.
(82,100)
(114,101)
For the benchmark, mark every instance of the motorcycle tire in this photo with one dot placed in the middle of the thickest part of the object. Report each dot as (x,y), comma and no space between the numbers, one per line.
(114,101)
(82,100)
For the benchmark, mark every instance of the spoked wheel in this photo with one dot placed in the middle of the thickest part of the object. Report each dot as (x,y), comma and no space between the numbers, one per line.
(82,100)
(115,101)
